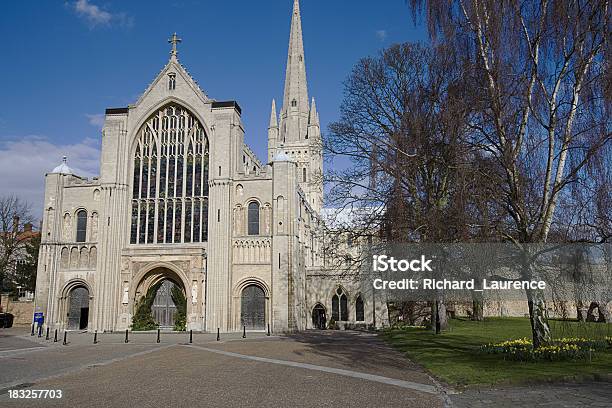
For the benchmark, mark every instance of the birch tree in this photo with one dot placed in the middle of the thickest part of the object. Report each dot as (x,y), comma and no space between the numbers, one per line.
(540,106)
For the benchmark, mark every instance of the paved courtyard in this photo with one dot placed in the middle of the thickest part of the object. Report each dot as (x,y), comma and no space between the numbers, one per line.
(312,369)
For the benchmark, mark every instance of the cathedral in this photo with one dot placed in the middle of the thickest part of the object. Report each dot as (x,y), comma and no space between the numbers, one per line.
(182,202)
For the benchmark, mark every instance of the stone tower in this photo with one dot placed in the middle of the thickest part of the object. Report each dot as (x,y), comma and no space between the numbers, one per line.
(298,133)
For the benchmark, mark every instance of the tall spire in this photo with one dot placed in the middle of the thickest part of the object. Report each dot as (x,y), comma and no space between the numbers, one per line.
(273,118)
(295,99)
(313,117)
(272,132)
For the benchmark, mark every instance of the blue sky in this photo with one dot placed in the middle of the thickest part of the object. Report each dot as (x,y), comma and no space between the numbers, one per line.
(64,62)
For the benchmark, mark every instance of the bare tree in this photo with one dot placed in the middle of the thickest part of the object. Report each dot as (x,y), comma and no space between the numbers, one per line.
(13,214)
(540,103)
(402,127)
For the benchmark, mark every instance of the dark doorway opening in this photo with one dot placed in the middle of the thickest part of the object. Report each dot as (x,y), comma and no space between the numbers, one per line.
(84,318)
(253,308)
(78,308)
(318,317)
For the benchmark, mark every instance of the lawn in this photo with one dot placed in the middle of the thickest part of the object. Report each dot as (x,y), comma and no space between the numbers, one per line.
(454,356)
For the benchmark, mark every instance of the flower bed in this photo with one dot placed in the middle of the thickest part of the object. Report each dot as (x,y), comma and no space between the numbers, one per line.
(569,348)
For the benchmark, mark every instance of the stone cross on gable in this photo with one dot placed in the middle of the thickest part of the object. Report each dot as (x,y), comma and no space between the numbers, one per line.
(174,40)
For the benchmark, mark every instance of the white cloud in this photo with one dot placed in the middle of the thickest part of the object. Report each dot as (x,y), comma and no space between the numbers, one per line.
(24,163)
(92,13)
(95,119)
(95,16)
(381,35)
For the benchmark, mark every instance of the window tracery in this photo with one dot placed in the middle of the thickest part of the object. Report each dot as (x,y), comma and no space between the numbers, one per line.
(340,306)
(170,179)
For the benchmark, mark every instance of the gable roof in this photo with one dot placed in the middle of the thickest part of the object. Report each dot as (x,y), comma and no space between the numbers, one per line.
(173,65)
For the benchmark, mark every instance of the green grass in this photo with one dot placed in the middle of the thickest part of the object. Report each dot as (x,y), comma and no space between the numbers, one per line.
(454,356)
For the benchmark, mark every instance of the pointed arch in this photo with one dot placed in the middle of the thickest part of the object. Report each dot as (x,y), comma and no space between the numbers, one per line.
(340,304)
(319,316)
(170,177)
(359,308)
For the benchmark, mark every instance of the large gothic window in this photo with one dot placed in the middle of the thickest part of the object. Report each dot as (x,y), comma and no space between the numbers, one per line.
(170,181)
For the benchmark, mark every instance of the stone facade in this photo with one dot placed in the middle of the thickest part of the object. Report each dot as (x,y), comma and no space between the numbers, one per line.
(181,197)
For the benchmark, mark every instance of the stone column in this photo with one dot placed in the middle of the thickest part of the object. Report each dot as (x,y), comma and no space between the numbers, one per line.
(218,273)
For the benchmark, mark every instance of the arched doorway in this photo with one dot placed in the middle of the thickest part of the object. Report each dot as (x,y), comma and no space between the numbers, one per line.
(78,308)
(163,308)
(319,320)
(253,308)
(160,300)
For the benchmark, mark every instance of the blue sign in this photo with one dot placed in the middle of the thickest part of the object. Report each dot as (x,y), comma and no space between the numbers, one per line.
(38,318)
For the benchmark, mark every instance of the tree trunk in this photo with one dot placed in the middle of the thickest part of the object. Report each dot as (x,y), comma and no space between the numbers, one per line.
(439,320)
(477,310)
(581,311)
(442,318)
(604,313)
(537,314)
(477,304)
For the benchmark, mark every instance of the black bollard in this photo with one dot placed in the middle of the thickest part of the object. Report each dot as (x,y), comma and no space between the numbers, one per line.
(158,335)
(39,331)
(126,336)
(218,336)
(268,329)
(96,337)
(244,332)
(190,336)
(31,334)
(55,336)
(65,338)
(47,336)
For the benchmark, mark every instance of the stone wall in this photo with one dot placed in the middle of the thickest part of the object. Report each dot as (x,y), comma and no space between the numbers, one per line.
(23,311)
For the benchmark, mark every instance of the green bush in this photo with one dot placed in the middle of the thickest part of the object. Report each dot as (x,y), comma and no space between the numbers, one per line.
(143,318)
(180,317)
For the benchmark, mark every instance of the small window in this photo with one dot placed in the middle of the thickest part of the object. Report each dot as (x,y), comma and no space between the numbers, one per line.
(81,234)
(304,174)
(294,103)
(171,82)
(359,313)
(253,216)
